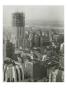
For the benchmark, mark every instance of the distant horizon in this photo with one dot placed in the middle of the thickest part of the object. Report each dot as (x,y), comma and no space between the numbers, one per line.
(41,21)
(32,13)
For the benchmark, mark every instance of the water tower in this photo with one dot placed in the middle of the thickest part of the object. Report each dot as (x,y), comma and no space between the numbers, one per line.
(19,23)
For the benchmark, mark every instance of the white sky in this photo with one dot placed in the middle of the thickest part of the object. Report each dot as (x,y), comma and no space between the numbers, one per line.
(54,13)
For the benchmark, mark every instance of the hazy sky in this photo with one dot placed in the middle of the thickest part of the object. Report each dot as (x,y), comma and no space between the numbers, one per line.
(54,13)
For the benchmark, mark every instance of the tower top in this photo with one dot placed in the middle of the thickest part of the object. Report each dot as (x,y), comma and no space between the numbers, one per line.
(18,19)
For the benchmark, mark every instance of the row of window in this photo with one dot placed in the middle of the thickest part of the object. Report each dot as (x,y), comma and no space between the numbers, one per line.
(16,75)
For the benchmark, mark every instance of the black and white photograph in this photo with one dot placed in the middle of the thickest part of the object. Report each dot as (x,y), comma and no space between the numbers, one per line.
(33,43)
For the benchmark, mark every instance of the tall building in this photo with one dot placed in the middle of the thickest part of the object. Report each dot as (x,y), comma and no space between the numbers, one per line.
(19,23)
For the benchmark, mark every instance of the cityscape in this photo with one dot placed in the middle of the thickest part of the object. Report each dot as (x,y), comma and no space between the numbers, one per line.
(33,44)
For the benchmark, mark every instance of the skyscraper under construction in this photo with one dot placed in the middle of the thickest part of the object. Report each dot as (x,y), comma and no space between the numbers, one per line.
(19,23)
